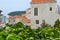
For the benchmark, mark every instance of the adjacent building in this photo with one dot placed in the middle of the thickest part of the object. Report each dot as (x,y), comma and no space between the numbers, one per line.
(28,13)
(18,16)
(2,19)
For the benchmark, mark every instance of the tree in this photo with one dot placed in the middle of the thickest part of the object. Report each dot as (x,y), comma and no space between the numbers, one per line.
(57,23)
(19,24)
(19,32)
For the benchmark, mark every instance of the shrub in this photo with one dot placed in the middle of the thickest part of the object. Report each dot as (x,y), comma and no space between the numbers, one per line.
(19,32)
(57,23)
(12,37)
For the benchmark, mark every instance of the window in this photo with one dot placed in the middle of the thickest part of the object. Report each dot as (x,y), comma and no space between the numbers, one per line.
(9,20)
(50,8)
(0,19)
(43,21)
(35,11)
(13,19)
(37,21)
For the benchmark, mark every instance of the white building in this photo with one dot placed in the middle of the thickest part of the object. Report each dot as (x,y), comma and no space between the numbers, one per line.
(43,11)
(3,20)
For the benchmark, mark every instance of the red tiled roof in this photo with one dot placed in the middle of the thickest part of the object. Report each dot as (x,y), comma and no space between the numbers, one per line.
(43,1)
(17,17)
(2,23)
(21,17)
(27,20)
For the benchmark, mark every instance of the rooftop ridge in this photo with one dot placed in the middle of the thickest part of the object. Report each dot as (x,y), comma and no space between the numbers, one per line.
(37,1)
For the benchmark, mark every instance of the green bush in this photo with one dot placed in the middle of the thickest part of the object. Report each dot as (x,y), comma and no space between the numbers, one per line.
(12,37)
(19,32)
(57,23)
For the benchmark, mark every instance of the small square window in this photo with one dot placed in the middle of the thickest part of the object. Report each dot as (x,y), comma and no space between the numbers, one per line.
(37,21)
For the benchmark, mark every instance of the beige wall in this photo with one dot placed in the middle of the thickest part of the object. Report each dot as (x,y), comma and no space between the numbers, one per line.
(16,20)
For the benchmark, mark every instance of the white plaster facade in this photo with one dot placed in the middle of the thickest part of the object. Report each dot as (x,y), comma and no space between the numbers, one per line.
(44,13)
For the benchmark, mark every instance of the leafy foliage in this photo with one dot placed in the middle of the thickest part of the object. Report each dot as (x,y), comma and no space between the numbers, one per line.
(57,23)
(19,32)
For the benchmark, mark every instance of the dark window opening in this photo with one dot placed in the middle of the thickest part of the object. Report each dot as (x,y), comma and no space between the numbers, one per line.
(0,19)
(50,8)
(37,21)
(35,11)
(43,21)
(13,20)
(9,20)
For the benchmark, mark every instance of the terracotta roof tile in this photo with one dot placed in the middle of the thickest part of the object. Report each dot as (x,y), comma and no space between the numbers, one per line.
(2,23)
(21,17)
(27,20)
(17,17)
(43,0)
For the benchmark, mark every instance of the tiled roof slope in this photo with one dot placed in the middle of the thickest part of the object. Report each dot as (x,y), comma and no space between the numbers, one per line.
(43,1)
(21,17)
(17,17)
(2,23)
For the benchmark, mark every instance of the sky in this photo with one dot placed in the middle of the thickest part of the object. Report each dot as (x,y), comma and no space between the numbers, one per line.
(8,6)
